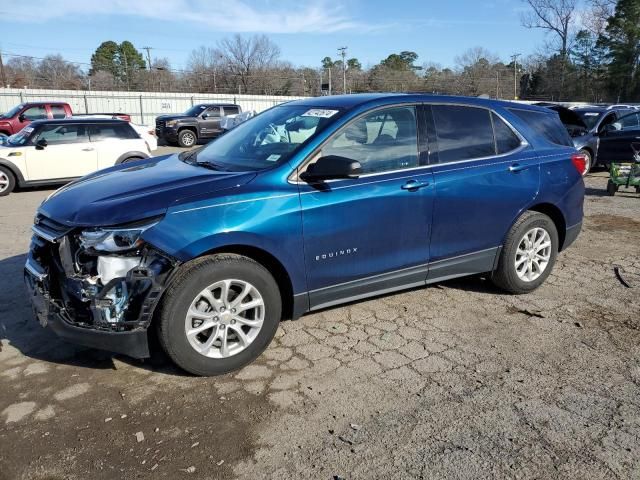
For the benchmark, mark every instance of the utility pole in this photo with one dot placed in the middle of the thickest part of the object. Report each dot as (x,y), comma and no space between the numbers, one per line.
(343,54)
(514,58)
(329,81)
(148,56)
(126,69)
(2,76)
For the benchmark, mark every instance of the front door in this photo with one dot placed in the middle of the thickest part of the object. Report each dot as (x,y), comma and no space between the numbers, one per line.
(484,178)
(371,233)
(210,123)
(621,141)
(68,153)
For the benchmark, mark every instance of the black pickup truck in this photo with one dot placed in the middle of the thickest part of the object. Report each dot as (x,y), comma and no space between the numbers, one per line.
(201,121)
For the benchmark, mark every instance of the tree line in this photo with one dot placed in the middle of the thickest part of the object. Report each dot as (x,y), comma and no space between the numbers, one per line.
(591,53)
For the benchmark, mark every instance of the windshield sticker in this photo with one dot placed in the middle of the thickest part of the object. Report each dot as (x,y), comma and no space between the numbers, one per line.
(273,158)
(320,113)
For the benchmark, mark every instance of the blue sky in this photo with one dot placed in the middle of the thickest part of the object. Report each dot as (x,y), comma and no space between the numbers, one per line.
(305,31)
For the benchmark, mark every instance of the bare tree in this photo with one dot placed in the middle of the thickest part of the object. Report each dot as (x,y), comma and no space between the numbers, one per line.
(60,73)
(245,57)
(558,18)
(597,16)
(554,16)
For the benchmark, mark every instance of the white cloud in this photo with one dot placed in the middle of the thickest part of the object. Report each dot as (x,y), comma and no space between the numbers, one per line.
(264,16)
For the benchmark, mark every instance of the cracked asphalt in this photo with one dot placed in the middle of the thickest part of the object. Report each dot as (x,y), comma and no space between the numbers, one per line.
(456,380)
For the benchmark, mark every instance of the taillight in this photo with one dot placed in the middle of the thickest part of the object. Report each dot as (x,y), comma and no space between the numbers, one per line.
(579,161)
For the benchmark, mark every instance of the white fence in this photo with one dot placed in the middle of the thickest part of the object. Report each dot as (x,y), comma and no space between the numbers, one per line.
(142,106)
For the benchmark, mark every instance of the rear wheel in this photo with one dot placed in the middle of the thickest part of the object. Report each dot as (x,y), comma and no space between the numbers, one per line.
(612,188)
(7,181)
(219,315)
(528,255)
(187,138)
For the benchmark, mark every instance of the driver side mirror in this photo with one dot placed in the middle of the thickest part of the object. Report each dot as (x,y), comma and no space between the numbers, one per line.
(332,167)
(40,144)
(22,118)
(611,127)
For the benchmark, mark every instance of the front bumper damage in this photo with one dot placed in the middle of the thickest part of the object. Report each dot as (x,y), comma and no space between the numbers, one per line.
(96,299)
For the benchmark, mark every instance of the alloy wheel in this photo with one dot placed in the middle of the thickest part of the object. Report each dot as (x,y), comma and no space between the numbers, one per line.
(4,182)
(533,254)
(224,318)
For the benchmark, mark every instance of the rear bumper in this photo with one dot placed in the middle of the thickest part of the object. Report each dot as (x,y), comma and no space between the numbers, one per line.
(133,343)
(571,235)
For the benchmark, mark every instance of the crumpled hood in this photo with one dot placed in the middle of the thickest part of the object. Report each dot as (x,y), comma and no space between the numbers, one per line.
(135,191)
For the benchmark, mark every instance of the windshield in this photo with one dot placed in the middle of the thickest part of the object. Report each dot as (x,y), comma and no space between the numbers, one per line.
(12,112)
(265,140)
(195,110)
(589,117)
(21,137)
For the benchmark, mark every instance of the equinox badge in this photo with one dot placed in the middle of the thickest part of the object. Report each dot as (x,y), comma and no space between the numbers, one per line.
(337,253)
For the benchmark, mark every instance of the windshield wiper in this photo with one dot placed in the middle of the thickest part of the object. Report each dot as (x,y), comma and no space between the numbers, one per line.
(211,165)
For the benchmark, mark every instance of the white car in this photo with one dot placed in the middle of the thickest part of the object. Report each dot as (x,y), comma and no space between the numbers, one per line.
(147,133)
(57,151)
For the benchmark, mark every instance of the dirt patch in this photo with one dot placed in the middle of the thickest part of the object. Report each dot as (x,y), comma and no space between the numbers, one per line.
(609,223)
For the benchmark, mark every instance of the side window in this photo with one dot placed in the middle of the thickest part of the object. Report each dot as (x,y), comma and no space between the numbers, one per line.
(506,139)
(629,122)
(381,141)
(61,134)
(464,133)
(545,124)
(58,111)
(111,131)
(608,120)
(212,112)
(231,110)
(35,113)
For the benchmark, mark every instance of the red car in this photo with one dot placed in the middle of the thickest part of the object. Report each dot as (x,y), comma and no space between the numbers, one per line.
(21,115)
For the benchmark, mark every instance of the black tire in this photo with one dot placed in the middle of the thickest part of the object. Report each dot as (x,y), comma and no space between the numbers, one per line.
(612,188)
(589,157)
(7,181)
(196,277)
(187,138)
(505,276)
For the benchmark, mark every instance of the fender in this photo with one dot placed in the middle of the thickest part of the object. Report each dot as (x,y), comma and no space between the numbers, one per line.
(15,170)
(133,153)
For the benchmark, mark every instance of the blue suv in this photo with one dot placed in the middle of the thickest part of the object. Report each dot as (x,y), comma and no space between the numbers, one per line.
(310,204)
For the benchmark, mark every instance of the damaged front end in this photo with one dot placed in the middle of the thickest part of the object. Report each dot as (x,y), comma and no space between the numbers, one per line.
(97,287)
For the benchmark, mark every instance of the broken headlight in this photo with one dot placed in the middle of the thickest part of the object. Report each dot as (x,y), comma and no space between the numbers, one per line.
(116,239)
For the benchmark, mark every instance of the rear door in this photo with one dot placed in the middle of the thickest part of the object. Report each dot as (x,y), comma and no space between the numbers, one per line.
(370,233)
(68,153)
(621,142)
(113,140)
(209,123)
(484,177)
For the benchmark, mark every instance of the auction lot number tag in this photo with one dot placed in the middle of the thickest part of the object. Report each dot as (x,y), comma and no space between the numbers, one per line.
(320,113)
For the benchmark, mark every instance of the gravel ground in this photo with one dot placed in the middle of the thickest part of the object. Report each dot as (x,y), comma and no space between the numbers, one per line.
(455,380)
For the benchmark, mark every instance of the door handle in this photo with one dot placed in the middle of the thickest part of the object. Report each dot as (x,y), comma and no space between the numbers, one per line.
(516,167)
(413,185)
(90,149)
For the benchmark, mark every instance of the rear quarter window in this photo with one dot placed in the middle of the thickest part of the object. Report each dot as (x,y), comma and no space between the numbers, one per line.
(548,125)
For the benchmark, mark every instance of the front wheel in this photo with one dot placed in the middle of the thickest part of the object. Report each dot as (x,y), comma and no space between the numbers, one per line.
(187,138)
(528,255)
(219,314)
